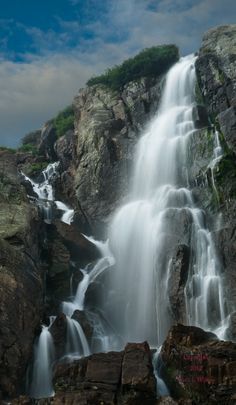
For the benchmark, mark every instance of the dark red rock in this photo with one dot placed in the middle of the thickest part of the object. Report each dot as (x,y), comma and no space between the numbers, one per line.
(198,366)
(108,378)
(137,379)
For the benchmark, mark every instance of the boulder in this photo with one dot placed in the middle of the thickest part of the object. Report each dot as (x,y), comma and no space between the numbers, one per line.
(198,366)
(106,378)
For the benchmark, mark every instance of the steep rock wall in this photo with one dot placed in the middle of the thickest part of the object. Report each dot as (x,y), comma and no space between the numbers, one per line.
(216,191)
(20,277)
(107,125)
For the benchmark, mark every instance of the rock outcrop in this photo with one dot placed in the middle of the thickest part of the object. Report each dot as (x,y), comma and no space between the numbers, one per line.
(199,367)
(20,277)
(215,190)
(122,378)
(106,125)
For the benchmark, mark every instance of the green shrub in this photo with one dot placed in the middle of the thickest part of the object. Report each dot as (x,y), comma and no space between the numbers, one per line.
(4,148)
(32,138)
(64,121)
(29,147)
(38,167)
(149,62)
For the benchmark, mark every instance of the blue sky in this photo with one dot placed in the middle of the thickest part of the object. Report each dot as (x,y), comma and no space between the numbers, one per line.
(50,48)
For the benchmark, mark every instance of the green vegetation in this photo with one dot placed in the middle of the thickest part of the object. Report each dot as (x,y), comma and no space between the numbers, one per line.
(38,167)
(150,62)
(198,95)
(29,147)
(64,121)
(4,148)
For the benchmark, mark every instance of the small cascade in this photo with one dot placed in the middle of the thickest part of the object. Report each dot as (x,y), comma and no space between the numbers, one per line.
(41,381)
(89,276)
(44,190)
(162,389)
(217,155)
(75,336)
(45,193)
(77,345)
(68,213)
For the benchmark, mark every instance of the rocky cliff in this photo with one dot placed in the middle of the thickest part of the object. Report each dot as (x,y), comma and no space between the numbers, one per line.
(216,187)
(21,291)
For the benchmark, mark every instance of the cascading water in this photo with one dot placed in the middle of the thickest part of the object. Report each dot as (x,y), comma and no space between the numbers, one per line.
(45,194)
(68,213)
(76,340)
(41,380)
(145,232)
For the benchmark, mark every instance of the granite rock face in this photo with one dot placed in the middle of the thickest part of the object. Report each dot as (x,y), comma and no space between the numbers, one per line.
(107,124)
(20,277)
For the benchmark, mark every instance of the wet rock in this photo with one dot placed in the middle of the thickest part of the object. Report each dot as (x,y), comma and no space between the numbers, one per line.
(200,116)
(214,190)
(109,378)
(227,120)
(20,310)
(20,277)
(167,401)
(67,251)
(137,379)
(81,317)
(177,279)
(231,331)
(198,366)
(58,331)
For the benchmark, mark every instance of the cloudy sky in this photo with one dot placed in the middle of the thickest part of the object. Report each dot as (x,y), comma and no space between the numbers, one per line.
(50,48)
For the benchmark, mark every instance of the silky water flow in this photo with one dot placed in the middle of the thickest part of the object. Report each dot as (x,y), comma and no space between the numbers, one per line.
(159,216)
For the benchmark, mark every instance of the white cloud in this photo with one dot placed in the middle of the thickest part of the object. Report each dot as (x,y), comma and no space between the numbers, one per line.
(33,92)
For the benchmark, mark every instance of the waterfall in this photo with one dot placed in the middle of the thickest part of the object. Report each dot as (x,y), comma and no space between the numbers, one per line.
(45,194)
(143,236)
(41,382)
(159,216)
(68,213)
(77,344)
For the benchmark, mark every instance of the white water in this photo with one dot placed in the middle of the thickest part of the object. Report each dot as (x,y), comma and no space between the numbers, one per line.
(68,214)
(41,383)
(45,193)
(105,262)
(44,190)
(77,344)
(144,232)
(218,153)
